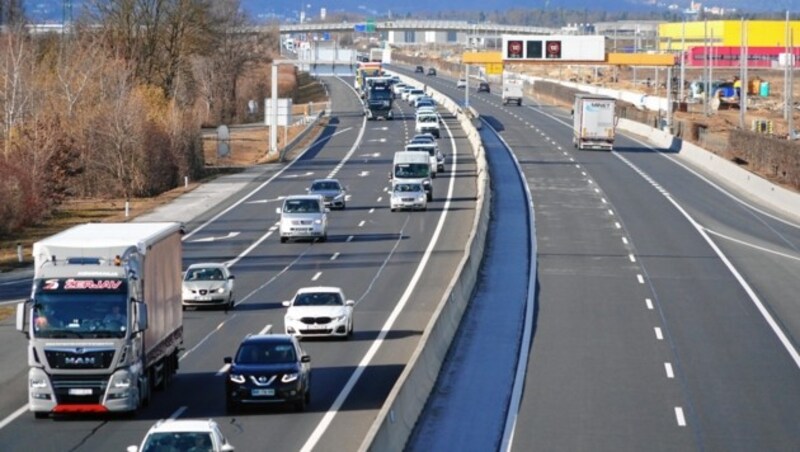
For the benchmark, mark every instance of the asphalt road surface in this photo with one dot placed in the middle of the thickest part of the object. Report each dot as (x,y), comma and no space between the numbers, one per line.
(667,312)
(393,264)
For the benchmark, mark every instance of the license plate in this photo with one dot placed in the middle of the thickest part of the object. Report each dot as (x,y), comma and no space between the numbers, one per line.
(80,391)
(204,298)
(263,392)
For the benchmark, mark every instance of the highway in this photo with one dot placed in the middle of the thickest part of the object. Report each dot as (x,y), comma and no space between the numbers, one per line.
(393,265)
(667,314)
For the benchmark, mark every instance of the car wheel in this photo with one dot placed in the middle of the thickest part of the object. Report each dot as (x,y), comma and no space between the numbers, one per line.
(40,414)
(350,331)
(300,405)
(392,209)
(284,239)
(231,303)
(324,237)
(430,197)
(344,205)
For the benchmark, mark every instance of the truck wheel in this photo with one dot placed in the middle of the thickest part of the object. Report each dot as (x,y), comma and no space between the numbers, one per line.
(231,407)
(519,103)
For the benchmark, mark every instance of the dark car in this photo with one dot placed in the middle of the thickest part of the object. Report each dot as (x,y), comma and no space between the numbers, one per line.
(484,87)
(419,70)
(268,369)
(432,71)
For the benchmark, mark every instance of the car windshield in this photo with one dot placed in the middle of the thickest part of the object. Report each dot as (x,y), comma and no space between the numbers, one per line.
(178,441)
(411,170)
(318,299)
(266,353)
(417,92)
(324,186)
(301,206)
(407,188)
(204,274)
(427,118)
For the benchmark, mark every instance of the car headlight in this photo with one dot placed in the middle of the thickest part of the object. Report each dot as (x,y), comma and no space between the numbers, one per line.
(220,290)
(288,378)
(317,221)
(420,197)
(339,318)
(236,378)
(38,383)
(426,182)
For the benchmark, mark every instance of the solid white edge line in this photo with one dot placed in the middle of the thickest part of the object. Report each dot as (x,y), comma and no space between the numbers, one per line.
(323,425)
(751,245)
(11,417)
(515,400)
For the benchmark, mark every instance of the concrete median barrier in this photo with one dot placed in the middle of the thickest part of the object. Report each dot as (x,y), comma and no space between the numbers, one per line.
(405,402)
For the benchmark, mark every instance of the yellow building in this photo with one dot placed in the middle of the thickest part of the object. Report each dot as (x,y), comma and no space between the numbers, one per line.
(724,33)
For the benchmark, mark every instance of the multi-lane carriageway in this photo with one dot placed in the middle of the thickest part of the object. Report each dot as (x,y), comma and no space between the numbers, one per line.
(667,312)
(667,308)
(394,265)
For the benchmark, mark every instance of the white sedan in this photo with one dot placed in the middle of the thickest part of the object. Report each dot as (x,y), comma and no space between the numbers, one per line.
(184,434)
(319,311)
(208,284)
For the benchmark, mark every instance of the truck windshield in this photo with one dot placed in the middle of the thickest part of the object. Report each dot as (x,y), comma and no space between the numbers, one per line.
(380,94)
(411,170)
(80,315)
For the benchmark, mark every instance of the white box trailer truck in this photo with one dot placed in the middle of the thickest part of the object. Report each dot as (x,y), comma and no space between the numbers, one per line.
(104,321)
(594,121)
(512,90)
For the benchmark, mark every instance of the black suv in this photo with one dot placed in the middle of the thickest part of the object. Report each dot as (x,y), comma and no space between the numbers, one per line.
(419,70)
(432,71)
(268,369)
(483,87)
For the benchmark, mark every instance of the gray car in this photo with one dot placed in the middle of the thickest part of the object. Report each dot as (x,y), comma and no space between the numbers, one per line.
(208,284)
(333,193)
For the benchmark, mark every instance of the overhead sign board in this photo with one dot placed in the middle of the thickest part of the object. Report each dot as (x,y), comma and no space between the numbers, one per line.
(494,68)
(553,48)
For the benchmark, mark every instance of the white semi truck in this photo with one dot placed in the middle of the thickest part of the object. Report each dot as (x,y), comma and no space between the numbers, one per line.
(104,321)
(594,121)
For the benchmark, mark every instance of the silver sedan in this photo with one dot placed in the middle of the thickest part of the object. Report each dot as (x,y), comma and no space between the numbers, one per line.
(208,284)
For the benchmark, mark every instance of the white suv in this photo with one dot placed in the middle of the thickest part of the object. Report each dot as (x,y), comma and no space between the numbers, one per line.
(303,216)
(184,434)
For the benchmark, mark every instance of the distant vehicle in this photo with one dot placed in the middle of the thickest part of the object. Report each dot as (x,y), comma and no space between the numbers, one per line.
(319,311)
(483,87)
(406,91)
(431,72)
(333,193)
(419,70)
(268,369)
(414,94)
(379,100)
(376,55)
(427,123)
(433,154)
(397,89)
(208,284)
(424,138)
(461,83)
(303,216)
(408,195)
(413,166)
(512,90)
(594,121)
(424,101)
(184,435)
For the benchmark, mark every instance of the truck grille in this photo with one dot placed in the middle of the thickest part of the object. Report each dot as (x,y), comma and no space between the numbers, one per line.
(73,389)
(66,359)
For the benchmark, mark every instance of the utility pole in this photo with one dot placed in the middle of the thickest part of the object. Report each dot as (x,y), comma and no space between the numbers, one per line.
(683,59)
(786,87)
(742,71)
(706,84)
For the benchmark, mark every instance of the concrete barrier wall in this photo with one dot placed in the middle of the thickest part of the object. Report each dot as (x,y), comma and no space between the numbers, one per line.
(405,402)
(646,102)
(775,196)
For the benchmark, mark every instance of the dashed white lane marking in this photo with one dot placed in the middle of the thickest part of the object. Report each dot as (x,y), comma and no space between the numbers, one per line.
(577,165)
(361,224)
(597,190)
(649,303)
(335,256)
(372,210)
(668,369)
(679,416)
(610,212)
(640,278)
(625,240)
(603,200)
(349,239)
(617,225)
(583,173)
(632,257)
(316,276)
(177,413)
(659,334)
(265,330)
(571,159)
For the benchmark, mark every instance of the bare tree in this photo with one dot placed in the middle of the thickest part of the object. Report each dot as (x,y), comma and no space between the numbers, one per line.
(16,72)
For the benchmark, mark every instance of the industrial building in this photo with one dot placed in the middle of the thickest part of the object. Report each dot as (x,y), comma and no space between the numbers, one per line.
(677,36)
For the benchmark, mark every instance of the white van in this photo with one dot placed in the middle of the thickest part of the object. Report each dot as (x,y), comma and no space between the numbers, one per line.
(413,166)
(428,148)
(303,216)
